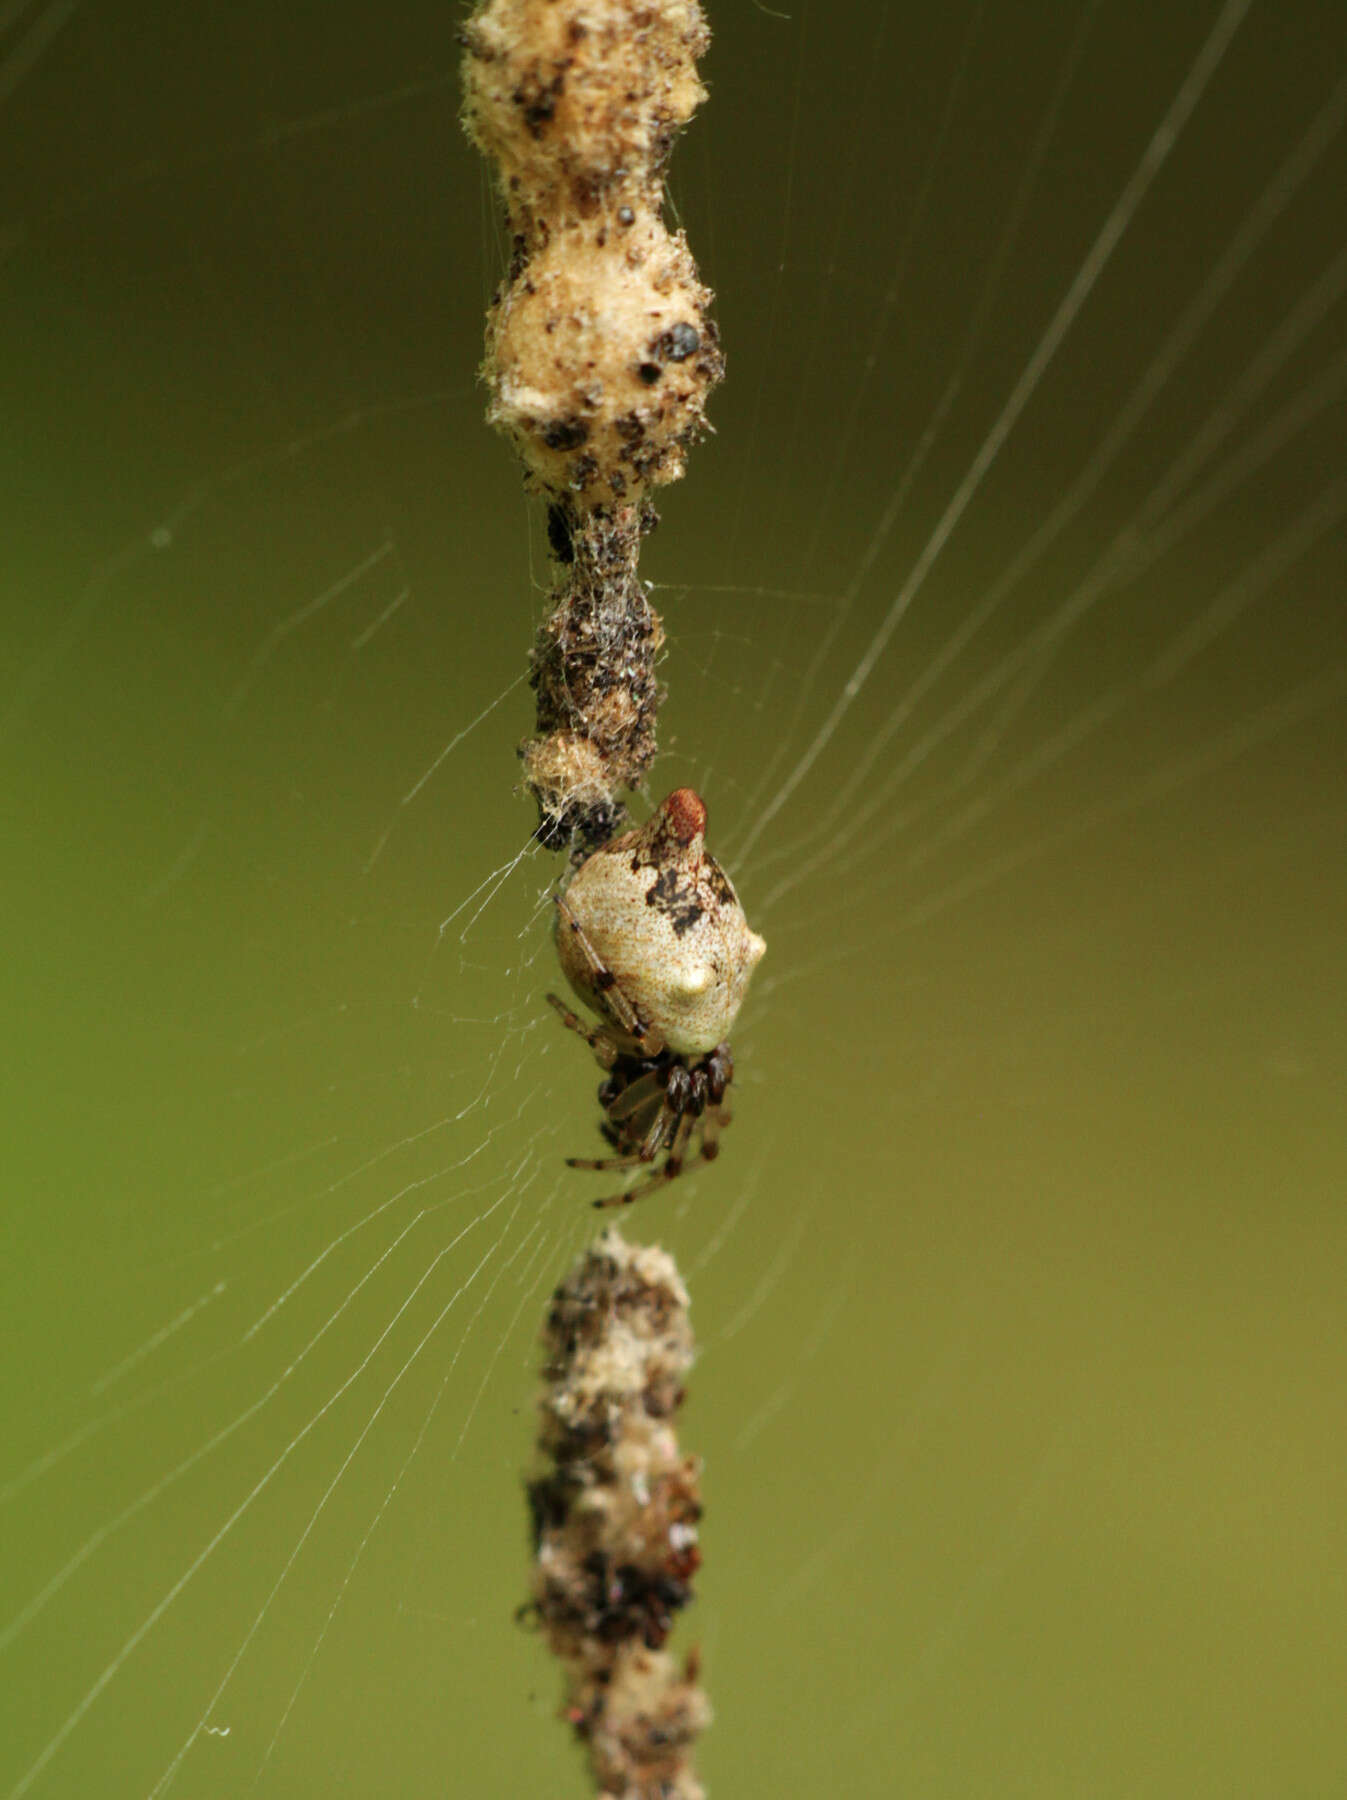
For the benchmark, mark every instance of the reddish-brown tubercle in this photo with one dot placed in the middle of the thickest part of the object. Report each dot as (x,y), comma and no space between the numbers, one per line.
(686,812)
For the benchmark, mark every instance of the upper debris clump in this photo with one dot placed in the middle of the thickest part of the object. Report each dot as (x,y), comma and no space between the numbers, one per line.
(600,346)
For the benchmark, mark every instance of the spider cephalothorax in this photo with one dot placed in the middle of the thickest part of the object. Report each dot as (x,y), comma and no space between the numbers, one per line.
(651,935)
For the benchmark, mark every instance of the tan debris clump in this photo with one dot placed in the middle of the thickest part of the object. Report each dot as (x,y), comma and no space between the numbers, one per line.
(615,1515)
(578,104)
(600,350)
(600,353)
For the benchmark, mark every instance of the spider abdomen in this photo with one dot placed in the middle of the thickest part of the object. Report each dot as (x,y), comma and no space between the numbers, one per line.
(659,917)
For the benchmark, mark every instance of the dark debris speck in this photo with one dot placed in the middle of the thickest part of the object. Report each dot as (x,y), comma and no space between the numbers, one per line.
(565,434)
(678,343)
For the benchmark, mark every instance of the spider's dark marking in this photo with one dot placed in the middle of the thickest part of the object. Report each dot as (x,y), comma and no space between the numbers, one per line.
(680,903)
(649,372)
(719,882)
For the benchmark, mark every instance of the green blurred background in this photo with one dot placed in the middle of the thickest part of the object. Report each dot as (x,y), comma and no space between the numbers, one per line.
(1020,1282)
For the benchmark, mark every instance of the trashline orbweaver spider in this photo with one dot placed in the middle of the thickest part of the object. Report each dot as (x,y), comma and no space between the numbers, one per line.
(651,936)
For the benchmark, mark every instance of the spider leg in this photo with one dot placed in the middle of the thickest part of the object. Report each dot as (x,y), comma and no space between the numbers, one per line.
(647,1039)
(607,1163)
(641,1092)
(659,1130)
(673,1162)
(599,1041)
(649,1149)
(672,1167)
(713,1122)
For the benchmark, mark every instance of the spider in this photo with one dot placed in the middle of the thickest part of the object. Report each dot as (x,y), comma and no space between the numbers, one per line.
(651,935)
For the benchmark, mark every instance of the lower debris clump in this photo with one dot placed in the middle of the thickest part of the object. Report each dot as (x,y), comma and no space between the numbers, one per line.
(615,1518)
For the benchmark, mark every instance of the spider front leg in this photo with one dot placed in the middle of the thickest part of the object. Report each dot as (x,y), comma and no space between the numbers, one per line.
(647,1039)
